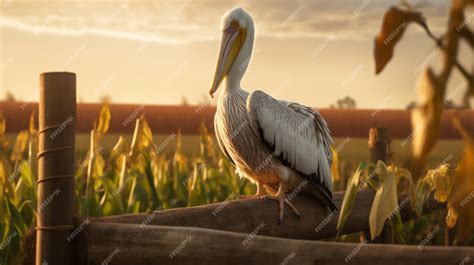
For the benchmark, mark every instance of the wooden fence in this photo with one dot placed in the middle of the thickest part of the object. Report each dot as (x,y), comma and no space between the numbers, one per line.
(232,232)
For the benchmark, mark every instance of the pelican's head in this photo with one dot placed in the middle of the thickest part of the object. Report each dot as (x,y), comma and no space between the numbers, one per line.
(237,32)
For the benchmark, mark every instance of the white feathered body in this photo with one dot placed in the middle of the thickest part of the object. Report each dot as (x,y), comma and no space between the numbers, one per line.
(253,158)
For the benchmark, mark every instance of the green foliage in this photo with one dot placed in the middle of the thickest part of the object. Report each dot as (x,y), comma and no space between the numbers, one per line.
(350,196)
(383,179)
(133,177)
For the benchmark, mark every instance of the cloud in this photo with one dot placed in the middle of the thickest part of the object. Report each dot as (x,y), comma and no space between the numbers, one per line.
(75,31)
(175,22)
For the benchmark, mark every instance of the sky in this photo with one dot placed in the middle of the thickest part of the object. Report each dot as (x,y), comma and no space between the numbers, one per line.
(157,52)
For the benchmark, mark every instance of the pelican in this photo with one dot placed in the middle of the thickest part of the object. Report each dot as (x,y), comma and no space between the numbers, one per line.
(281,146)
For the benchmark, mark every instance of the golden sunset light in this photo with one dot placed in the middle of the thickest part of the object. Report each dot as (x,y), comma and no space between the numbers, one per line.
(159,52)
(255,132)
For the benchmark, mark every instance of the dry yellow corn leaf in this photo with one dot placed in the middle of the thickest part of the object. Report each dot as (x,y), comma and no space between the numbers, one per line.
(206,142)
(336,177)
(3,142)
(142,137)
(121,147)
(119,154)
(178,152)
(32,127)
(20,145)
(98,166)
(461,199)
(104,119)
(6,181)
(426,119)
(441,181)
(96,163)
(3,124)
(395,22)
(139,163)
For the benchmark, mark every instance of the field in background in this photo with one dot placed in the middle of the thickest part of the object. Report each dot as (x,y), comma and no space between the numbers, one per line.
(351,150)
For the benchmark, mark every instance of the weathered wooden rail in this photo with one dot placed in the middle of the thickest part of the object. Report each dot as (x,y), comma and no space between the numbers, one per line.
(244,216)
(130,244)
(170,119)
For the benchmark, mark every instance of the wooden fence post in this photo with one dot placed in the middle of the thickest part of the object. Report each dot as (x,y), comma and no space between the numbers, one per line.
(379,148)
(379,144)
(57,119)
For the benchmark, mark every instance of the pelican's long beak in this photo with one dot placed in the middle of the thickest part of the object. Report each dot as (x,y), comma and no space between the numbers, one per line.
(232,41)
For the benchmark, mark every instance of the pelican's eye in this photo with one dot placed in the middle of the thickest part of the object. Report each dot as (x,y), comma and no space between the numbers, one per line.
(233,27)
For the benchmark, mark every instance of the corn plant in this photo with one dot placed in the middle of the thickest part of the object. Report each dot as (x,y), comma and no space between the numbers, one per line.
(133,177)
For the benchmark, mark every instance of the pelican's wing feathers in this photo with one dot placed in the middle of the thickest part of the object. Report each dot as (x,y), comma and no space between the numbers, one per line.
(298,134)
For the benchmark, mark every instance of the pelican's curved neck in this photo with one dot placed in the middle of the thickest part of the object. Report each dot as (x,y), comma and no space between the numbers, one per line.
(237,71)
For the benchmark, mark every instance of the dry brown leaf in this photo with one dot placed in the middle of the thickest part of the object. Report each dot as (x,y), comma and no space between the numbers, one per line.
(426,119)
(395,22)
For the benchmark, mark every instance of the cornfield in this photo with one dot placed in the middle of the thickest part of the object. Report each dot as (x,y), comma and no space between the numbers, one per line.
(133,177)
(137,177)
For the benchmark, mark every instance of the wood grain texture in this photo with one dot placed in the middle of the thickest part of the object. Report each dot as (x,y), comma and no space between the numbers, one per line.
(132,244)
(57,118)
(245,215)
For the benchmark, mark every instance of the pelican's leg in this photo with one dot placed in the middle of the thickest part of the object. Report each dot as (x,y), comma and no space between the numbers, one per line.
(260,193)
(280,196)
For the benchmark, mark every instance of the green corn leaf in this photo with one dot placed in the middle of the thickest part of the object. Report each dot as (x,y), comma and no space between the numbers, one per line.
(350,195)
(18,220)
(151,185)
